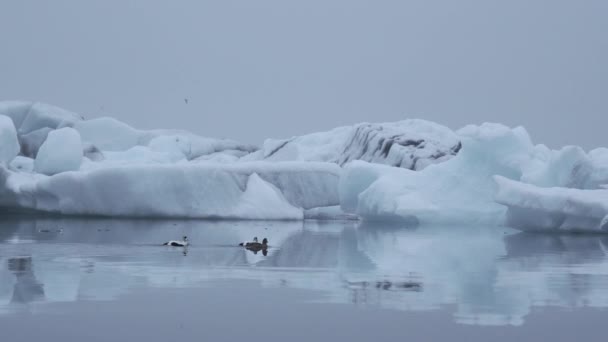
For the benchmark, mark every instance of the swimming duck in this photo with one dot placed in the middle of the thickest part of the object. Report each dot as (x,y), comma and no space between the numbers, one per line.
(247,244)
(174,243)
(255,246)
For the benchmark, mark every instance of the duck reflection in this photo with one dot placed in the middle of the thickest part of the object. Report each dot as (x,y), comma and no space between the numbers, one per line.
(386,285)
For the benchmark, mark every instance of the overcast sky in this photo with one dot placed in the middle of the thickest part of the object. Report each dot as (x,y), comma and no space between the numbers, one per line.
(258,69)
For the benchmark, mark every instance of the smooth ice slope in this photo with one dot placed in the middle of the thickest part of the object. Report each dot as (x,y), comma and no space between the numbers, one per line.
(262,200)
(245,190)
(9,145)
(61,152)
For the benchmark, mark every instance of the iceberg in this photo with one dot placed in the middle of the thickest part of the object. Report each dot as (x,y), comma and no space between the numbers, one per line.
(414,172)
(253,190)
(460,190)
(499,178)
(535,208)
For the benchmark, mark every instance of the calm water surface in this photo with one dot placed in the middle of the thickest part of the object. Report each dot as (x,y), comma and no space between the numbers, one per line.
(101,280)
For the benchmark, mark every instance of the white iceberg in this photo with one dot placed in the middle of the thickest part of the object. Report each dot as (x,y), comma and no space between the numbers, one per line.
(411,171)
(460,190)
(555,208)
(233,191)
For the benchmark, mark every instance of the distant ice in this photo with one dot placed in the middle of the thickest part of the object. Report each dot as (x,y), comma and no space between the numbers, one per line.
(412,144)
(410,171)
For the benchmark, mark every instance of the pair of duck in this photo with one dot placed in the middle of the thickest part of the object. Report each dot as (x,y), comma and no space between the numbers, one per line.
(252,246)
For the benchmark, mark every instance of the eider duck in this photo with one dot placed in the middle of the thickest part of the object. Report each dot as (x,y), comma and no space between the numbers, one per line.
(255,246)
(247,244)
(174,243)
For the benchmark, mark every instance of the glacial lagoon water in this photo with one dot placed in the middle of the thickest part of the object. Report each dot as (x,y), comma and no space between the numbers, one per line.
(109,279)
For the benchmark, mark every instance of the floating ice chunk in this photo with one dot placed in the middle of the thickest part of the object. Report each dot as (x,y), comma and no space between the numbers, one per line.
(459,190)
(62,151)
(262,200)
(535,208)
(22,164)
(202,190)
(9,144)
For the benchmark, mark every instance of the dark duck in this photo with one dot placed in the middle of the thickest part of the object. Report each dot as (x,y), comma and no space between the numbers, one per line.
(255,246)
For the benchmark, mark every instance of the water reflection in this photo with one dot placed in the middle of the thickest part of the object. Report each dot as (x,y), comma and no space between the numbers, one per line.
(26,289)
(488,275)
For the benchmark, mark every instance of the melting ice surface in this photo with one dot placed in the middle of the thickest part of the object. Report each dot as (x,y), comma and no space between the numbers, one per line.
(479,276)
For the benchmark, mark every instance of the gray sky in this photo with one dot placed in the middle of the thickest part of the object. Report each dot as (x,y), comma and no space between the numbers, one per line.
(257,69)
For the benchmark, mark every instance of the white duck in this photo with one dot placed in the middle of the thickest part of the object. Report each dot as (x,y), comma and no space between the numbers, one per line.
(176,243)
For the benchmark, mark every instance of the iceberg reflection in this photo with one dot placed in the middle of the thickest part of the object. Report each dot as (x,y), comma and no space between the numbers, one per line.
(484,275)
